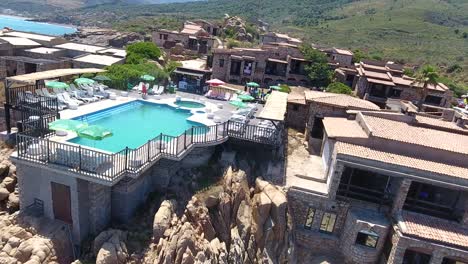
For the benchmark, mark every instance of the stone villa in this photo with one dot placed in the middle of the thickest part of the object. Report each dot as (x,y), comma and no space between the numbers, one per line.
(380,81)
(194,38)
(273,37)
(386,188)
(267,65)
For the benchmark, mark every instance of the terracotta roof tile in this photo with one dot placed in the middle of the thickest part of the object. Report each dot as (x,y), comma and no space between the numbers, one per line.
(339,127)
(347,101)
(400,160)
(408,133)
(434,229)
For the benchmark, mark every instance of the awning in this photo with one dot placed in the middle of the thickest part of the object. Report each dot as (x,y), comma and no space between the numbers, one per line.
(236,57)
(278,61)
(298,59)
(275,107)
(200,75)
(31,78)
(248,58)
(380,82)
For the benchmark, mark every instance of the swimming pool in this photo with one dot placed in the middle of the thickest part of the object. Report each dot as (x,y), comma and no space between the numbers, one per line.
(189,104)
(134,123)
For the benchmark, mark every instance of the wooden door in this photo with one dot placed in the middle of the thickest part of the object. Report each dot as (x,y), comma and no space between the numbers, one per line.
(61,202)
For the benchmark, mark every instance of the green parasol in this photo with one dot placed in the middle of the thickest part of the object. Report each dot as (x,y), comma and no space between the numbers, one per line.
(84,81)
(275,87)
(67,125)
(94,132)
(253,84)
(147,78)
(238,104)
(102,78)
(246,97)
(57,85)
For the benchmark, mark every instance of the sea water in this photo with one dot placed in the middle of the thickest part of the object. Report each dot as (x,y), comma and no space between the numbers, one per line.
(21,24)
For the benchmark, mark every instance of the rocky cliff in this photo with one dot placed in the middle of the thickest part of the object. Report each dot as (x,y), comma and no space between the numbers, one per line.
(230,223)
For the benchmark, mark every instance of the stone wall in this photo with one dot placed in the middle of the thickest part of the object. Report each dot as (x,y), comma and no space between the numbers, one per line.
(297,115)
(299,204)
(99,207)
(368,221)
(401,243)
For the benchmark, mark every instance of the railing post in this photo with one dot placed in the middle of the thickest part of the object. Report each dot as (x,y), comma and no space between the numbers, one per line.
(191,134)
(216,134)
(48,150)
(79,154)
(149,155)
(126,158)
(160,142)
(185,139)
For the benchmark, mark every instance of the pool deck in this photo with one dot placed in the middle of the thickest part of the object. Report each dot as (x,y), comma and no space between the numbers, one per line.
(222,110)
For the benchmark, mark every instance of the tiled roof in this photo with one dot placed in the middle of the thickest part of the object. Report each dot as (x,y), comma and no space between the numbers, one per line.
(346,101)
(434,229)
(344,52)
(438,123)
(400,160)
(337,127)
(408,133)
(296,98)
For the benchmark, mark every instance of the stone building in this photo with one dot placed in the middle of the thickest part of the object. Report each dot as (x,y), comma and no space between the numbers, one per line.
(16,65)
(390,188)
(306,110)
(338,57)
(273,37)
(267,65)
(380,81)
(193,38)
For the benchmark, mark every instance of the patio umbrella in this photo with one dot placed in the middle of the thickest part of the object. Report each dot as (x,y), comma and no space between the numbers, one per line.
(147,78)
(58,85)
(67,125)
(253,84)
(84,81)
(102,78)
(246,97)
(215,82)
(238,104)
(275,87)
(94,132)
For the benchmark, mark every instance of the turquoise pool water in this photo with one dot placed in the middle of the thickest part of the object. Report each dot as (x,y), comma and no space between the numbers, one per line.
(189,104)
(20,24)
(134,123)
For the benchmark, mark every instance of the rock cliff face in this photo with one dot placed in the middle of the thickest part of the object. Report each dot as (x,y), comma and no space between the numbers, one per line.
(9,200)
(233,224)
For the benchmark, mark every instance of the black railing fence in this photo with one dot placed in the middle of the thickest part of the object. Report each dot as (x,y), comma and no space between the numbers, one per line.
(110,167)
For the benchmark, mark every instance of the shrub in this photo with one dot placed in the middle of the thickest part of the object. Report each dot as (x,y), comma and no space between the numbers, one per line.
(340,88)
(145,50)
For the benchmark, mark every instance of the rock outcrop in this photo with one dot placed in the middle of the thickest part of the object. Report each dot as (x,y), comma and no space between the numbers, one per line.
(9,200)
(233,224)
(110,248)
(25,239)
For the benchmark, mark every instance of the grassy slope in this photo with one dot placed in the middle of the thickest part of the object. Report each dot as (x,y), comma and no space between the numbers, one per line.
(401,30)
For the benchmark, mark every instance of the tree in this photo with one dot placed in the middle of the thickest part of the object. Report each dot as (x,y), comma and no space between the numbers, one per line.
(166,71)
(318,71)
(143,50)
(427,76)
(339,88)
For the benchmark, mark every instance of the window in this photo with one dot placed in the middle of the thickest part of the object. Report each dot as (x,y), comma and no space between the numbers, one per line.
(452,261)
(367,238)
(221,63)
(432,99)
(394,93)
(328,222)
(163,36)
(309,218)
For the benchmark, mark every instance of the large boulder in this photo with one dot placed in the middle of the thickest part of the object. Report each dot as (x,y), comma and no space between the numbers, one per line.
(13,202)
(261,205)
(9,183)
(162,219)
(4,193)
(107,254)
(110,247)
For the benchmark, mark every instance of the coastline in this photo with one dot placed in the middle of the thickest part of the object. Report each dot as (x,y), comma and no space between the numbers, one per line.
(31,19)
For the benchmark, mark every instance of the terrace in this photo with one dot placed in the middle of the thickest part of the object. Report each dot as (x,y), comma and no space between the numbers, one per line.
(49,149)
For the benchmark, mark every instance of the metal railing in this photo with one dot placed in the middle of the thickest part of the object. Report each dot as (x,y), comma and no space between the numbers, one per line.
(110,167)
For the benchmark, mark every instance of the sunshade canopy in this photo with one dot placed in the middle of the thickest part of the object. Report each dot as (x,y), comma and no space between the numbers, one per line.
(246,97)
(94,132)
(215,82)
(147,78)
(253,84)
(84,81)
(59,85)
(275,87)
(67,125)
(102,78)
(238,104)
